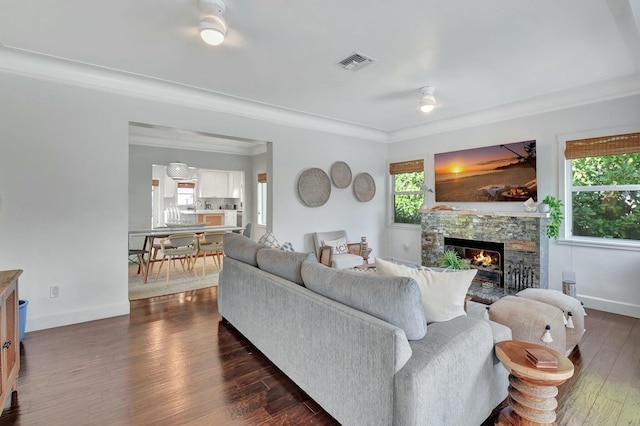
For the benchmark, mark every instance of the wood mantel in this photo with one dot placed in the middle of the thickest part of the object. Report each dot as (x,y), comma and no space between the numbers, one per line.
(474,212)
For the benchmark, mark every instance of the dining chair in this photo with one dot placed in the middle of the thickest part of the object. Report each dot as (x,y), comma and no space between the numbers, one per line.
(248,228)
(210,242)
(139,254)
(182,247)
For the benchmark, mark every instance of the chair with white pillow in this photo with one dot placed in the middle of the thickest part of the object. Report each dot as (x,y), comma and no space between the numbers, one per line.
(334,250)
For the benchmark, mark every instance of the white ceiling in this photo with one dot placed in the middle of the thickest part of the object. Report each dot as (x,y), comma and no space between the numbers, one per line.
(512,57)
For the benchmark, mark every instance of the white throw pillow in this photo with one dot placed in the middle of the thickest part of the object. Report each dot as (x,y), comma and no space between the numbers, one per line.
(443,293)
(269,240)
(338,246)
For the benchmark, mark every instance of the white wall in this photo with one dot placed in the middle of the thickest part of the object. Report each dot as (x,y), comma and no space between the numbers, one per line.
(607,279)
(64,189)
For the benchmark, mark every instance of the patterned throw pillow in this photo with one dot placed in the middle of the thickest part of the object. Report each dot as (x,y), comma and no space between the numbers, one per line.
(269,240)
(287,247)
(338,246)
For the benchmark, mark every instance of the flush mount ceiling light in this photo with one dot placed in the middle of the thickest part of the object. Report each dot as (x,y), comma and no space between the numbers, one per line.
(178,171)
(213,28)
(428,102)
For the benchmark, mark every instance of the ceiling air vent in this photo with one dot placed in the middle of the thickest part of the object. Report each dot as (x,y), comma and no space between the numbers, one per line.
(356,61)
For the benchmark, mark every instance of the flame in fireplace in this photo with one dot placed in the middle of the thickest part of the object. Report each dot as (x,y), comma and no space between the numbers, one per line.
(482,259)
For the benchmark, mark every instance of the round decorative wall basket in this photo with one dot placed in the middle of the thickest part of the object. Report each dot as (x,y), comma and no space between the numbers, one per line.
(364,188)
(314,187)
(341,174)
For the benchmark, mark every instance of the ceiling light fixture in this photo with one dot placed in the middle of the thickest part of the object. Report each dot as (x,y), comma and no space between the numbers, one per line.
(428,102)
(213,28)
(178,171)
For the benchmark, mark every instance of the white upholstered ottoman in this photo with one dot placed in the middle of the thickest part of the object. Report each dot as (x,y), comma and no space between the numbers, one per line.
(528,320)
(571,307)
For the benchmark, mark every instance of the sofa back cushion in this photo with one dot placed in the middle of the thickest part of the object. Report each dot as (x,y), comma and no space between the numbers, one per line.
(284,264)
(395,300)
(241,248)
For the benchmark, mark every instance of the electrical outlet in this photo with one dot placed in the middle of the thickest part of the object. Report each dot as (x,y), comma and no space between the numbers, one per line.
(53,291)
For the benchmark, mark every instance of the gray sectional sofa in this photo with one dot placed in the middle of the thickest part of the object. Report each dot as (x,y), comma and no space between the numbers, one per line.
(357,342)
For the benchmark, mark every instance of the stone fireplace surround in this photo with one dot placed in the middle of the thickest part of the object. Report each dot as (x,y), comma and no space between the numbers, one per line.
(523,235)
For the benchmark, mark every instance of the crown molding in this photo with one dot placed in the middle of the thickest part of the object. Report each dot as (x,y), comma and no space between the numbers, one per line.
(585,95)
(20,62)
(34,65)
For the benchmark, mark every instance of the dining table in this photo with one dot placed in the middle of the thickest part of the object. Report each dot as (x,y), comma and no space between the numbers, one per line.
(164,231)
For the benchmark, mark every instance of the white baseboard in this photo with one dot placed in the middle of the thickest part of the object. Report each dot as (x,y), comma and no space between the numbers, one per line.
(92,313)
(613,306)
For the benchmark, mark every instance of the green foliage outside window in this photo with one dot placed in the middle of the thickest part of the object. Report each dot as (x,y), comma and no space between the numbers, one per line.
(610,212)
(408,197)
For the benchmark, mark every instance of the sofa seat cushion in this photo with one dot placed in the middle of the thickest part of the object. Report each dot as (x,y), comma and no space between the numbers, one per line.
(284,264)
(443,293)
(395,300)
(241,248)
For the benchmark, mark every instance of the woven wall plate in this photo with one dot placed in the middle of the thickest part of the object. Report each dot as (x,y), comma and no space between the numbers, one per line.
(314,187)
(364,188)
(341,174)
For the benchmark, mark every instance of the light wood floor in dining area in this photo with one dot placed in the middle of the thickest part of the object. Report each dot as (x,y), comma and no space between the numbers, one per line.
(173,362)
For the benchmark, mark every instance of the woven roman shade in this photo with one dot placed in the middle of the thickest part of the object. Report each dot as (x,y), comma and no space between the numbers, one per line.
(186,185)
(406,167)
(606,145)
(155,182)
(262,178)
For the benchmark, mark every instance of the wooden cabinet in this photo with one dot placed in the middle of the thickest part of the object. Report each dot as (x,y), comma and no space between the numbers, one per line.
(10,351)
(213,219)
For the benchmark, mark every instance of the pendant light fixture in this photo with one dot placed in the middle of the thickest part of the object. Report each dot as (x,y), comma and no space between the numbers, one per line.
(178,171)
(213,28)
(428,102)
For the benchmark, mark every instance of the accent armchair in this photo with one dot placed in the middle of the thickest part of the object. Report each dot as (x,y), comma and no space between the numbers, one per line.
(332,249)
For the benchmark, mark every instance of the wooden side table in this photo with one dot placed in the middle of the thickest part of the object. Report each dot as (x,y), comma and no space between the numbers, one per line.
(532,390)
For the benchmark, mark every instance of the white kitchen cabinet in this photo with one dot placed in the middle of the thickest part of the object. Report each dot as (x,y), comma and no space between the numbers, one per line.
(213,184)
(169,186)
(236,183)
(230,217)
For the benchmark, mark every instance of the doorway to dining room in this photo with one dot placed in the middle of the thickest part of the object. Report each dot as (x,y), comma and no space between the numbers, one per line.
(151,145)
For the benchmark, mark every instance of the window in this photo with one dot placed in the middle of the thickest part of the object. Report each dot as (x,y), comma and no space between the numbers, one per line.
(185,194)
(603,187)
(407,178)
(262,199)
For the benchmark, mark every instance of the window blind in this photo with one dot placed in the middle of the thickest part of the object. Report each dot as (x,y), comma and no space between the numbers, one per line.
(607,145)
(406,167)
(262,178)
(186,185)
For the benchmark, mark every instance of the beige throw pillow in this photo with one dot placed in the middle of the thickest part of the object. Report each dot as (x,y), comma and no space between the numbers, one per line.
(443,293)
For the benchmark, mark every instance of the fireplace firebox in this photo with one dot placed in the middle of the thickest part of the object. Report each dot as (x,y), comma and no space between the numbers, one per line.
(485,256)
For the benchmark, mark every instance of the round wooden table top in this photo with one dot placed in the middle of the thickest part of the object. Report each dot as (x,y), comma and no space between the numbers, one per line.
(513,356)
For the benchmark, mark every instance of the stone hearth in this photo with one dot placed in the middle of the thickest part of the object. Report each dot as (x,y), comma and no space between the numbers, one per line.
(526,244)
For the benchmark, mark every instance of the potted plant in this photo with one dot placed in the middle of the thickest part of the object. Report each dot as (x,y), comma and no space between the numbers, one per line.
(553,206)
(451,260)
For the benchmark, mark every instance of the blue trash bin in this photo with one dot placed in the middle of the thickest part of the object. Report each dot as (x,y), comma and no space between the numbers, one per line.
(22,317)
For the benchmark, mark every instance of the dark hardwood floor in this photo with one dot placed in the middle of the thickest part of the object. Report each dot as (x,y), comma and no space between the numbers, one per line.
(173,362)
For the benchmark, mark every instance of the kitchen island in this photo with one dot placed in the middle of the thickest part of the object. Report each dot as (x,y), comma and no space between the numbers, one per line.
(212,217)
